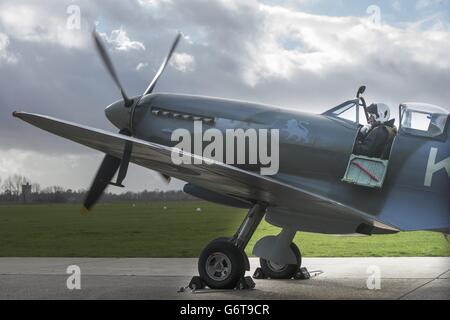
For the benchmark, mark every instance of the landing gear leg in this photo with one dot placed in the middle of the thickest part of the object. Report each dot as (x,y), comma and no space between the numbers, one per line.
(223,262)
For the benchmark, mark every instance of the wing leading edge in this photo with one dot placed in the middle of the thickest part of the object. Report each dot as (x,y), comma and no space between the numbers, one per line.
(218,177)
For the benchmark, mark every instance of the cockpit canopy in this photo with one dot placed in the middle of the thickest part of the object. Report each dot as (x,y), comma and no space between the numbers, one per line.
(423,119)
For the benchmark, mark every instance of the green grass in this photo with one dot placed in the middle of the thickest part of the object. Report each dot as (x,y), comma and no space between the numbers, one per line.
(146,230)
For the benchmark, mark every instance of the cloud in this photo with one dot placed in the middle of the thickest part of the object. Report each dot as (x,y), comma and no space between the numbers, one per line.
(35,23)
(5,56)
(424,4)
(120,40)
(141,65)
(397,5)
(320,44)
(183,62)
(154,3)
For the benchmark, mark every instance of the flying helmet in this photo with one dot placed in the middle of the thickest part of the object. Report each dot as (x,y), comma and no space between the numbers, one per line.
(381,112)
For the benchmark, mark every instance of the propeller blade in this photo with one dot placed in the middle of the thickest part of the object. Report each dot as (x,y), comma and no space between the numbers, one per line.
(110,67)
(152,84)
(124,165)
(105,173)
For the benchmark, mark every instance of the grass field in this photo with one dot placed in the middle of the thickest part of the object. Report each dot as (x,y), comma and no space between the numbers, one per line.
(147,230)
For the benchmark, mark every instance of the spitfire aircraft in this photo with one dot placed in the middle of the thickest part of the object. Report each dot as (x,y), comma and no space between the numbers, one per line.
(320,186)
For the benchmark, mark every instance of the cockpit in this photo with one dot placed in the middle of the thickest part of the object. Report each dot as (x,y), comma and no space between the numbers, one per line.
(416,119)
(369,161)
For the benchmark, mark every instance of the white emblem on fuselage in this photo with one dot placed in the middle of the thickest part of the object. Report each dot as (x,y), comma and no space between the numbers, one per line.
(434,167)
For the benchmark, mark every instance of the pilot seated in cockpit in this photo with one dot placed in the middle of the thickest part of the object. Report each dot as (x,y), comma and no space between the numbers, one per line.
(375,139)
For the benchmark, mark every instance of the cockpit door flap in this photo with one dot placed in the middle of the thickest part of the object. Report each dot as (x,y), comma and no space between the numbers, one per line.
(365,171)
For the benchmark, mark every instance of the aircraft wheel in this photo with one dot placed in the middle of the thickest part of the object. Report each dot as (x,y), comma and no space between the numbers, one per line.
(221,264)
(277,271)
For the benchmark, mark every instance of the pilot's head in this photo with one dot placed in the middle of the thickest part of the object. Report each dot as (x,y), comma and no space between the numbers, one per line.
(378,113)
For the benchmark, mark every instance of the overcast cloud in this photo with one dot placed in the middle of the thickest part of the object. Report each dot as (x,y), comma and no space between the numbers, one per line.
(305,54)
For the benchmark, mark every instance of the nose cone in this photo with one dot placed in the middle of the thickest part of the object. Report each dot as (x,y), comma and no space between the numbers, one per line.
(118,114)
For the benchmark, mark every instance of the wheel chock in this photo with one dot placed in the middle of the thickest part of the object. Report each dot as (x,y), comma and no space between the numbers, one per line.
(196,283)
(259,274)
(302,274)
(245,283)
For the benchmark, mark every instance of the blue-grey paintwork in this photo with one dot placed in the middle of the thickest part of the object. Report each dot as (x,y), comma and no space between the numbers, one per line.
(314,152)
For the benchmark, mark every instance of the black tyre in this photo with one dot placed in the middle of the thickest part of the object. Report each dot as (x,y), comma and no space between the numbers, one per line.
(221,264)
(276,271)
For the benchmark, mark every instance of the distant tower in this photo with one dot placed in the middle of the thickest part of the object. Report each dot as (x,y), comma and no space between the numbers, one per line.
(26,192)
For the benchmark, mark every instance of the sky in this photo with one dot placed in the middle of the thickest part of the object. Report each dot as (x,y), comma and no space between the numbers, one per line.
(303,54)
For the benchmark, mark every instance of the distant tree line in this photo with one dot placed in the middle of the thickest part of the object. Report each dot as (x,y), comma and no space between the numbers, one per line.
(12,190)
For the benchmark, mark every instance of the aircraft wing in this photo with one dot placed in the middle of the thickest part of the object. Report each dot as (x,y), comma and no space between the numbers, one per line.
(218,177)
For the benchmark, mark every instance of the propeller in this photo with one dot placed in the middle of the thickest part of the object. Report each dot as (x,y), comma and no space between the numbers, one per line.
(110,67)
(152,84)
(105,173)
(158,74)
(110,164)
